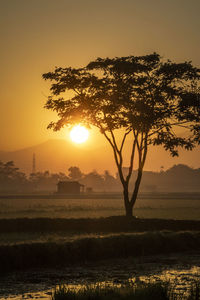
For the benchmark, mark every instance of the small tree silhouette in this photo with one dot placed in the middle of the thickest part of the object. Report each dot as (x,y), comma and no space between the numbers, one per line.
(75,173)
(144,97)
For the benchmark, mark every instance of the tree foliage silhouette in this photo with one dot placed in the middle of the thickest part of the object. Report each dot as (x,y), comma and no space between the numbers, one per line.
(144,97)
(75,173)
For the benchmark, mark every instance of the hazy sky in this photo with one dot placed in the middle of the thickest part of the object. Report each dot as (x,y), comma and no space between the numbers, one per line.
(37,35)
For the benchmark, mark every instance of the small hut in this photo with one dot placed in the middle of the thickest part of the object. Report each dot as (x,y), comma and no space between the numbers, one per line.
(69,187)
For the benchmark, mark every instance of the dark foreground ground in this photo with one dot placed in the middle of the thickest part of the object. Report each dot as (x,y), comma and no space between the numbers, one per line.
(179,270)
(81,251)
(96,225)
(96,239)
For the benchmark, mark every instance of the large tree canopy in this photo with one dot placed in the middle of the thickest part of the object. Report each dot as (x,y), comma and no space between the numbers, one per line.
(145,97)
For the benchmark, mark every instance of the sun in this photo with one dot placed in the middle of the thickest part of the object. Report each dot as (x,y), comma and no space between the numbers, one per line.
(79,134)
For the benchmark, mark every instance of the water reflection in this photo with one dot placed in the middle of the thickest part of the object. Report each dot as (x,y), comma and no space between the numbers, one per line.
(179,278)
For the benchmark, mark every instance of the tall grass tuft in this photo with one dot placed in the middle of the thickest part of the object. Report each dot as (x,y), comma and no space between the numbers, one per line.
(128,291)
(194,293)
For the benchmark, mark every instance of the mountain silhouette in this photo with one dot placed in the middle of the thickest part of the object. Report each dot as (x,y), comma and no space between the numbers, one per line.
(58,155)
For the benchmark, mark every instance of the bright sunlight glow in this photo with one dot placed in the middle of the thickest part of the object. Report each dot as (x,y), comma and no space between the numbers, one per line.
(79,134)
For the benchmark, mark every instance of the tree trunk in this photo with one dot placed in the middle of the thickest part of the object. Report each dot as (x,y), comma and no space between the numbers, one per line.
(127,203)
(136,188)
(129,211)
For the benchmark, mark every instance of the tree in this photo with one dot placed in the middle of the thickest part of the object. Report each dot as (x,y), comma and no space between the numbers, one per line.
(144,97)
(94,180)
(11,178)
(46,181)
(75,173)
(110,182)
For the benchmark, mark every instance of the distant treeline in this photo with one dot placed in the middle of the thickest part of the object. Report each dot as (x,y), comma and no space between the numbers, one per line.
(179,178)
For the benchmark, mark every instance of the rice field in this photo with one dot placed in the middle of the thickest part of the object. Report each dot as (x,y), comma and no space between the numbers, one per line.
(53,240)
(167,206)
(168,271)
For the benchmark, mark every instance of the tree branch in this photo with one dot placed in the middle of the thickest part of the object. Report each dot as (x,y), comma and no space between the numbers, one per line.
(138,148)
(118,163)
(123,141)
(114,141)
(131,162)
(170,124)
(145,149)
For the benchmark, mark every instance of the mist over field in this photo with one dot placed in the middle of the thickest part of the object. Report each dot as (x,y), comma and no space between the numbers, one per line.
(163,206)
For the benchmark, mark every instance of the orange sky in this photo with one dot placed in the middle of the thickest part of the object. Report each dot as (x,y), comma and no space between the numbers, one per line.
(37,35)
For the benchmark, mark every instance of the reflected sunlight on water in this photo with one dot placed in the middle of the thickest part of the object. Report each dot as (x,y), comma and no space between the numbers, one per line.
(179,279)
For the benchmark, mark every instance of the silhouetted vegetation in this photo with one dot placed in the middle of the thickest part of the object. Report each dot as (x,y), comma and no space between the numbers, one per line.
(45,181)
(179,178)
(194,293)
(14,181)
(127,291)
(11,179)
(144,97)
(75,173)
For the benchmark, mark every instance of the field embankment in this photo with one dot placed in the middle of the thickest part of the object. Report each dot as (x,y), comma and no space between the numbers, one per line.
(96,239)
(96,225)
(51,254)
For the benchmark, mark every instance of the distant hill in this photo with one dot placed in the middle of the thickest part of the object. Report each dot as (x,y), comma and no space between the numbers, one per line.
(58,155)
(179,178)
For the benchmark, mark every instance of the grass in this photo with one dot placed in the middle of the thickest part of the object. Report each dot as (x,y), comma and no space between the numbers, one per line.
(127,291)
(153,291)
(52,254)
(194,293)
(143,237)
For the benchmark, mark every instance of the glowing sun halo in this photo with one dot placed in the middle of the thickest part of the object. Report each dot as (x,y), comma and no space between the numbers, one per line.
(79,134)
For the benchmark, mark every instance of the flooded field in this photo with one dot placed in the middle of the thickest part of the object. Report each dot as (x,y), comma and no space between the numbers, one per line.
(177,269)
(43,250)
(167,206)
